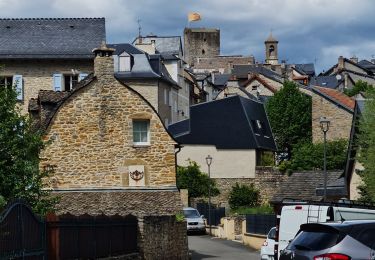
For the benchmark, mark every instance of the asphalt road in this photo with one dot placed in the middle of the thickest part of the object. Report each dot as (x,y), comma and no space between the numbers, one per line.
(205,247)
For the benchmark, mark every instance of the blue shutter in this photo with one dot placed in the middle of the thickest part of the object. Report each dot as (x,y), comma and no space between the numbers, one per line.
(81,76)
(57,82)
(17,81)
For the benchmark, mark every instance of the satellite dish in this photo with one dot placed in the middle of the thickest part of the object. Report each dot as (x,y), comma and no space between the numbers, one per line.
(338,77)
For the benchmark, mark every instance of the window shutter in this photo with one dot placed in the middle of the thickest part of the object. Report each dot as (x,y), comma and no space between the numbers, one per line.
(170,98)
(81,76)
(17,81)
(115,63)
(57,82)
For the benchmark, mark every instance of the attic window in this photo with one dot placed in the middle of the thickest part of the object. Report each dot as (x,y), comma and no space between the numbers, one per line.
(125,62)
(71,26)
(8,26)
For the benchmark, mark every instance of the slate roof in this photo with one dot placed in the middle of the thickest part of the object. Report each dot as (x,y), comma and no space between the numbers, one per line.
(325,81)
(263,82)
(336,97)
(302,186)
(145,66)
(164,44)
(242,71)
(50,38)
(308,68)
(229,123)
(367,65)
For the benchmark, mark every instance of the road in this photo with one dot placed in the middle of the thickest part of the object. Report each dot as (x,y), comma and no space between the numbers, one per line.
(205,247)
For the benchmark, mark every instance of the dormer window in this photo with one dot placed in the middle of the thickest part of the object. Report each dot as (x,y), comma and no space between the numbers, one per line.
(125,62)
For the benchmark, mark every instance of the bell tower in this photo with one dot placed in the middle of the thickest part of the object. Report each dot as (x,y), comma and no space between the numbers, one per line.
(271,50)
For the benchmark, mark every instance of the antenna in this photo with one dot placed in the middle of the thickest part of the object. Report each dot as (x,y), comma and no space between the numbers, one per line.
(139,29)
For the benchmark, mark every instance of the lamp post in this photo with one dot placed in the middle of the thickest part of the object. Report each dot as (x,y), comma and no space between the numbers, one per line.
(324,125)
(209,161)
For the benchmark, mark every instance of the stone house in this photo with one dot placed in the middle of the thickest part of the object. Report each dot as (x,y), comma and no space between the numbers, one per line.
(108,148)
(147,75)
(47,53)
(235,131)
(351,71)
(170,51)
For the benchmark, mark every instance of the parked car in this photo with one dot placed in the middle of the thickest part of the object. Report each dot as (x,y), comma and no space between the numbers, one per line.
(267,249)
(349,240)
(195,222)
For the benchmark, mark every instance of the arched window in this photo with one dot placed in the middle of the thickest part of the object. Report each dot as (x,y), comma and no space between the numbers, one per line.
(272,50)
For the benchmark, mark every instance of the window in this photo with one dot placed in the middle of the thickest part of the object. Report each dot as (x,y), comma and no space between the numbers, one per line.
(124,62)
(166,101)
(254,87)
(10,81)
(141,132)
(70,81)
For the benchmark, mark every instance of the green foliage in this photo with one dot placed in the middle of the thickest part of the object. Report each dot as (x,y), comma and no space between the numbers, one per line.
(195,181)
(267,158)
(366,154)
(360,86)
(19,156)
(262,209)
(243,196)
(309,156)
(180,217)
(289,112)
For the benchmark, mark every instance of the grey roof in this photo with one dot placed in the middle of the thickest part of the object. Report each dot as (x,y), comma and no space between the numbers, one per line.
(334,188)
(325,81)
(144,67)
(231,123)
(220,79)
(124,47)
(164,44)
(308,69)
(50,38)
(242,71)
(302,186)
(367,65)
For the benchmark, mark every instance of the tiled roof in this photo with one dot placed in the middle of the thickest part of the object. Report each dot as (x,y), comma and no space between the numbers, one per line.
(325,81)
(337,97)
(302,186)
(164,44)
(46,38)
(263,82)
(308,68)
(242,71)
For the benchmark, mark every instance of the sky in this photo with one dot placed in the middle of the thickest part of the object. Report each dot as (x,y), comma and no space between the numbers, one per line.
(309,31)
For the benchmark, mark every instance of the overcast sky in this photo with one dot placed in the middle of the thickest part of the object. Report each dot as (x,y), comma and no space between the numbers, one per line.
(309,31)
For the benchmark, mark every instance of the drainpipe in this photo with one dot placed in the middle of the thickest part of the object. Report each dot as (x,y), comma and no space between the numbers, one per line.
(178,146)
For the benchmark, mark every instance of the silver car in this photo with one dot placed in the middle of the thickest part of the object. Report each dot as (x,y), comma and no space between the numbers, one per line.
(349,240)
(195,222)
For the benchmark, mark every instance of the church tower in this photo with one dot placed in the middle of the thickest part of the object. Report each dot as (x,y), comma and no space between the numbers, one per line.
(271,50)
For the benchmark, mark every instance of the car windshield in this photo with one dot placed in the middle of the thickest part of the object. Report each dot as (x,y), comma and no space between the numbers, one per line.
(191,213)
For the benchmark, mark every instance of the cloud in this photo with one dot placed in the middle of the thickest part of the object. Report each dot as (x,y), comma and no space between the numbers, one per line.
(307,30)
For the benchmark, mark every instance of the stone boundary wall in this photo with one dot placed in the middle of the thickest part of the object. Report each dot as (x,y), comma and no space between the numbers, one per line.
(164,238)
(267,180)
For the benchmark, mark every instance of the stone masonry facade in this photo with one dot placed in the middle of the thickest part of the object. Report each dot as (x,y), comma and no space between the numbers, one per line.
(90,137)
(341,120)
(38,74)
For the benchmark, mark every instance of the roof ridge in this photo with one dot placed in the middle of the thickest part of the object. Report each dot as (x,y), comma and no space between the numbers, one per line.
(51,18)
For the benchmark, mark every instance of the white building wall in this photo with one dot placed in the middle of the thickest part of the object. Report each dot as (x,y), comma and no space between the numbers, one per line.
(226,163)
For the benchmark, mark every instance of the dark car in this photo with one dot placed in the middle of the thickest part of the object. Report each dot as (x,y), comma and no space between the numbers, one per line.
(349,240)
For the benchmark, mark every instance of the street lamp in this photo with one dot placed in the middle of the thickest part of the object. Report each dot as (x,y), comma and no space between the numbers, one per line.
(324,125)
(209,161)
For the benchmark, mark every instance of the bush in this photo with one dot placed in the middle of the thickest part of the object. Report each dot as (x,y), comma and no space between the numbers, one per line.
(243,196)
(262,209)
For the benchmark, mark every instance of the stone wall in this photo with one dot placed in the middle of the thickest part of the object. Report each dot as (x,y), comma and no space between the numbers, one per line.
(341,119)
(90,138)
(37,75)
(267,180)
(164,238)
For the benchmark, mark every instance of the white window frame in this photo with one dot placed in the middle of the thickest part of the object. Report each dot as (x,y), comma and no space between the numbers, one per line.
(124,62)
(72,82)
(140,143)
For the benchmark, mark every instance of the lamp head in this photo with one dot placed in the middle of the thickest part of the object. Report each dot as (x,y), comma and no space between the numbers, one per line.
(324,124)
(208,160)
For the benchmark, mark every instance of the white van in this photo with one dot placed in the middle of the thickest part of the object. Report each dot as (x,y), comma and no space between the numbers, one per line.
(293,216)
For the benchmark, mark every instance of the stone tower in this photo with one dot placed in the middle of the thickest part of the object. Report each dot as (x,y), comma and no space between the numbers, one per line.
(271,50)
(201,43)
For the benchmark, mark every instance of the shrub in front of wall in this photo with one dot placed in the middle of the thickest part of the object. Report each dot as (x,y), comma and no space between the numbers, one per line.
(244,196)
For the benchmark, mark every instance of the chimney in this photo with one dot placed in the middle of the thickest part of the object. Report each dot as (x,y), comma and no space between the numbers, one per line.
(340,63)
(103,61)
(354,59)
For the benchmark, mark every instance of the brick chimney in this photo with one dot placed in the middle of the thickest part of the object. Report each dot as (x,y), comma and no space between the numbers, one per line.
(103,62)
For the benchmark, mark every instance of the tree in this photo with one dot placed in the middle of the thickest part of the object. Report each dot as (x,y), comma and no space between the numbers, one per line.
(289,112)
(197,182)
(366,153)
(243,196)
(360,86)
(20,177)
